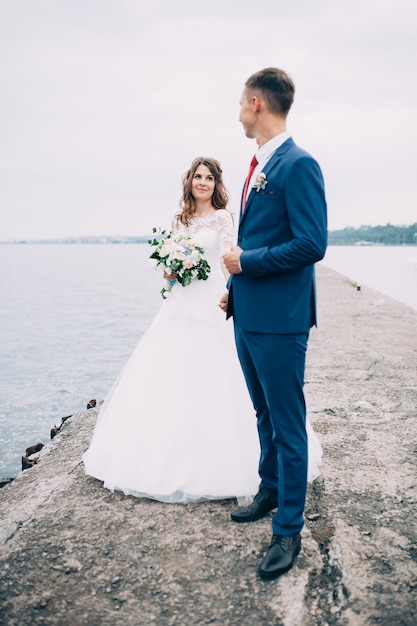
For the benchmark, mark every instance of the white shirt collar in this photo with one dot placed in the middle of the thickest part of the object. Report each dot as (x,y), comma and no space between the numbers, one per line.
(265,152)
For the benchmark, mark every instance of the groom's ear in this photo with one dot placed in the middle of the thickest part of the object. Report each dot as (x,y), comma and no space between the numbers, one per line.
(257,103)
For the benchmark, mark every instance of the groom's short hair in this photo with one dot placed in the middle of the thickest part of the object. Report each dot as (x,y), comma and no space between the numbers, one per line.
(275,86)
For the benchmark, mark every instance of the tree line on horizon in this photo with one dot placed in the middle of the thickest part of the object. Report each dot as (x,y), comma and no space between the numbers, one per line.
(387,235)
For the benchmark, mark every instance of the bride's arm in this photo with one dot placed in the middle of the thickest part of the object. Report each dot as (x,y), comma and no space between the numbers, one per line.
(226,274)
(227,238)
(224,298)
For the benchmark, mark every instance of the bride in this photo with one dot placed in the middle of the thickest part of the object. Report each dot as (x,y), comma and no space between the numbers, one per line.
(178,424)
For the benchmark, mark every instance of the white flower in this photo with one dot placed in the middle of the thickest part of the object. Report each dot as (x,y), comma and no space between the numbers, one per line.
(165,250)
(195,256)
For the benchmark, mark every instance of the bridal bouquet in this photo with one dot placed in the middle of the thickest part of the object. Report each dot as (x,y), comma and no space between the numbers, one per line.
(178,255)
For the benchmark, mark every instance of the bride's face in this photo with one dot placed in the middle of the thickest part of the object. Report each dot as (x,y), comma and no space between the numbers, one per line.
(203,183)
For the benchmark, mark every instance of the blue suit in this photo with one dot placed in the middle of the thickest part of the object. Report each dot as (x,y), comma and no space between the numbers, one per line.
(283,233)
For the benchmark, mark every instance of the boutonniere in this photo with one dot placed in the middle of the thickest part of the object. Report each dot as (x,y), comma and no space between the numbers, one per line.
(260,182)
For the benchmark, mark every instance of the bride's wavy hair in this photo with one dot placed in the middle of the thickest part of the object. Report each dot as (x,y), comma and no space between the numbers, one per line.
(220,195)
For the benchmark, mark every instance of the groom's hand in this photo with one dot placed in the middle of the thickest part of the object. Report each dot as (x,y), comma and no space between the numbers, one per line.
(232,260)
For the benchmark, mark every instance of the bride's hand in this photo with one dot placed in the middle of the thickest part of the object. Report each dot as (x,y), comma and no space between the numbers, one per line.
(223,302)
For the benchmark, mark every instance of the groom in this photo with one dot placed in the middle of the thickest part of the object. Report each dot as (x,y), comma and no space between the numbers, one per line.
(272,298)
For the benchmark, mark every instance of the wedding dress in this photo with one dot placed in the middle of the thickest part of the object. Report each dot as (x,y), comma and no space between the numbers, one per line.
(178,424)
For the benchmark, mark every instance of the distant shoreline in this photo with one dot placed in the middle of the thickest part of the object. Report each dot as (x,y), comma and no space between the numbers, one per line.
(387,235)
(81,240)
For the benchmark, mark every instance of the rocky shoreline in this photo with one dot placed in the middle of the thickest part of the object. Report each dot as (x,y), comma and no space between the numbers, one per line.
(32,454)
(73,553)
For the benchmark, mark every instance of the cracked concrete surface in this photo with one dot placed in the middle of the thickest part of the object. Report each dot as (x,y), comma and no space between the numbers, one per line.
(74,553)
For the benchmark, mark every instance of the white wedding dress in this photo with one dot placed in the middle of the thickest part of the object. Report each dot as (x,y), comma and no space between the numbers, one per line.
(178,424)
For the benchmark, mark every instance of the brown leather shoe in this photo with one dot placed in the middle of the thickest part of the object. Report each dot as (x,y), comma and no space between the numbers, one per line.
(280,556)
(264,501)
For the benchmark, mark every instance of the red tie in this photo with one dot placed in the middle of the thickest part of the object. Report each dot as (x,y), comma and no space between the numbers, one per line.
(252,166)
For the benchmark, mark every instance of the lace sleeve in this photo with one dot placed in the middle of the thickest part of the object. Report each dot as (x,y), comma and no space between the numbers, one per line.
(174,224)
(227,231)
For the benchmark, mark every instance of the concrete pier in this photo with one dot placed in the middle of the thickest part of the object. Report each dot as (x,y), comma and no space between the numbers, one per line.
(73,553)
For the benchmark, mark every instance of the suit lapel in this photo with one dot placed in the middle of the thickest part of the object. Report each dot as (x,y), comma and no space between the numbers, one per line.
(276,156)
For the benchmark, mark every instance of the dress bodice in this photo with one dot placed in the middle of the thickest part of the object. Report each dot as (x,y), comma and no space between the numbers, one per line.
(215,233)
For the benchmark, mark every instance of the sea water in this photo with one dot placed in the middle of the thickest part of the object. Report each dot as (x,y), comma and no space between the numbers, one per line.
(392,270)
(70,316)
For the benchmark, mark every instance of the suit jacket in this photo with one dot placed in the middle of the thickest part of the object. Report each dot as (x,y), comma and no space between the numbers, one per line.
(283,233)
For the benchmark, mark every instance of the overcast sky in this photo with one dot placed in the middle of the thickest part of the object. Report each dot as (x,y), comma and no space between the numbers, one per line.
(104,104)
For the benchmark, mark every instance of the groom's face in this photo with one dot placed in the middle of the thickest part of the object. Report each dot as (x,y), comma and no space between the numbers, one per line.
(247,115)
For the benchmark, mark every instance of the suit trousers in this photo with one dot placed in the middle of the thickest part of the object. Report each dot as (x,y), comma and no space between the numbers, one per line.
(274,365)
